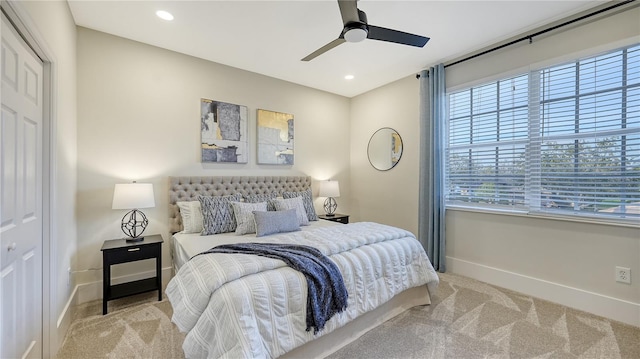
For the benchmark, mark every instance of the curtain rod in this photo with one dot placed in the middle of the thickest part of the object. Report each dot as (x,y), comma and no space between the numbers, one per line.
(538,33)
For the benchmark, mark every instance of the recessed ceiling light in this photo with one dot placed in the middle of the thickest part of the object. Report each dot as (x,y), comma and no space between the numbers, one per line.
(349,77)
(164,15)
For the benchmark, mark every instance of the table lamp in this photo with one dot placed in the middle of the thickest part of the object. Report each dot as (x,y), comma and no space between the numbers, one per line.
(133,196)
(330,189)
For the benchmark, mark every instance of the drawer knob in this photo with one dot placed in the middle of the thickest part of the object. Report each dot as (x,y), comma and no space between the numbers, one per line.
(133,249)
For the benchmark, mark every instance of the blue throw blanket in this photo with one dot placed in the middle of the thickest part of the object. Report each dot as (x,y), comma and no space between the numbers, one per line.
(326,293)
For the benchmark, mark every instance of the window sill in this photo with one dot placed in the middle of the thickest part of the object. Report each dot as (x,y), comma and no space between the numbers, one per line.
(589,220)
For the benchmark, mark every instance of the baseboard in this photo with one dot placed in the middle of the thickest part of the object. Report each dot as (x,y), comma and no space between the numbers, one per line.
(66,317)
(598,304)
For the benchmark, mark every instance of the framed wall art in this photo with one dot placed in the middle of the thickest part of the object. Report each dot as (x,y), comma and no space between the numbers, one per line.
(223,132)
(275,138)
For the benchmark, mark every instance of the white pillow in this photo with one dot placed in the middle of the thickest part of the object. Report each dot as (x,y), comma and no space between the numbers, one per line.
(292,203)
(244,216)
(191,213)
(307,200)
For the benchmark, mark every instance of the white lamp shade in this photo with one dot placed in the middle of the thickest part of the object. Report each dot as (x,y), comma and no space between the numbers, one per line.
(133,196)
(329,189)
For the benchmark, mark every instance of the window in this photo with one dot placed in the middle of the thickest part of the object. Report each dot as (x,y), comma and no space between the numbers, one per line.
(563,139)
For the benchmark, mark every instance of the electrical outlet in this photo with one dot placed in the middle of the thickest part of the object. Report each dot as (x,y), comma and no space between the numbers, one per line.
(623,275)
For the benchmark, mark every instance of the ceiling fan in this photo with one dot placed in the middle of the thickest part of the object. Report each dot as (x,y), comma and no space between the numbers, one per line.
(357,29)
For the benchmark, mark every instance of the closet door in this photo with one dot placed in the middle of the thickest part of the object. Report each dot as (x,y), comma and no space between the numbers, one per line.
(21,231)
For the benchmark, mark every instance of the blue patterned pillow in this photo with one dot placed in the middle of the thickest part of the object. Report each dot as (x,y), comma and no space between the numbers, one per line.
(257,198)
(307,200)
(217,214)
(275,222)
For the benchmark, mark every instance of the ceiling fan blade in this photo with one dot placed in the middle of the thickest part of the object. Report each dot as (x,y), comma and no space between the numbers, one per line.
(349,11)
(324,49)
(399,37)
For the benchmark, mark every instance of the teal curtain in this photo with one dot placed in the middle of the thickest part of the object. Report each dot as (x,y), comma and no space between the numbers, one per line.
(431,228)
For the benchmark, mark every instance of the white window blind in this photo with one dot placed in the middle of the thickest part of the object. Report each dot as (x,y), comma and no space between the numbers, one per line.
(564,139)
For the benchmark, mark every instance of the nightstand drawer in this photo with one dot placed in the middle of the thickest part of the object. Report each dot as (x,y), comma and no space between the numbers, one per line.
(344,220)
(133,253)
(340,218)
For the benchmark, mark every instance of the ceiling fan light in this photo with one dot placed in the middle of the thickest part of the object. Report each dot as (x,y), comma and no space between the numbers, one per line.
(355,34)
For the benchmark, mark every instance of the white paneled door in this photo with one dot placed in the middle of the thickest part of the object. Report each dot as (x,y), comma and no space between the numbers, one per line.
(21,223)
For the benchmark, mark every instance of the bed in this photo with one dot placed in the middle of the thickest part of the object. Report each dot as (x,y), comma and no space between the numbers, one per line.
(234,305)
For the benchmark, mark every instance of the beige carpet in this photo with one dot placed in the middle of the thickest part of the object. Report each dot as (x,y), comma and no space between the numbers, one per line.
(135,327)
(468,319)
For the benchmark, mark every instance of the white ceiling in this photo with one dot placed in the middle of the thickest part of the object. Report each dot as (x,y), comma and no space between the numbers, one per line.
(270,37)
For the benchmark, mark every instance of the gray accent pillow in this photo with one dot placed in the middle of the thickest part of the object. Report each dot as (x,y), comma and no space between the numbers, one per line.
(256,198)
(282,204)
(191,214)
(276,222)
(307,199)
(217,214)
(244,216)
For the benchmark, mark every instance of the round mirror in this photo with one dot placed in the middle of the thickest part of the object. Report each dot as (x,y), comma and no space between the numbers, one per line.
(385,149)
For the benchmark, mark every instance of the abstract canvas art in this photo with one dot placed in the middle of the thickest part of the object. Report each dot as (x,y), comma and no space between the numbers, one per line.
(223,129)
(275,138)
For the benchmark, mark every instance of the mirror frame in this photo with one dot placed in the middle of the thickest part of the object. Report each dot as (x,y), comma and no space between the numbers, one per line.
(369,146)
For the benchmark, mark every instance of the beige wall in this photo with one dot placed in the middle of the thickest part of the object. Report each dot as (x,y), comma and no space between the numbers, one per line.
(53,25)
(139,119)
(508,250)
(602,35)
(575,254)
(388,197)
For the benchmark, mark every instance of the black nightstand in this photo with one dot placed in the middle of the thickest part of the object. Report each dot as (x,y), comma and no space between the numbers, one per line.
(120,251)
(341,218)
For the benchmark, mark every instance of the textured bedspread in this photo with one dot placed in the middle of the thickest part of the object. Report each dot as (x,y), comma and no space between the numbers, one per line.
(240,306)
(326,293)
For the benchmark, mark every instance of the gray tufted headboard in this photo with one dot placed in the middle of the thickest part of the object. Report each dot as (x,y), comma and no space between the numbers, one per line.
(189,188)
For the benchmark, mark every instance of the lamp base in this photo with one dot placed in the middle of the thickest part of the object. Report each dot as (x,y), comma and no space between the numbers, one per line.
(137,239)
(330,206)
(133,224)
(330,214)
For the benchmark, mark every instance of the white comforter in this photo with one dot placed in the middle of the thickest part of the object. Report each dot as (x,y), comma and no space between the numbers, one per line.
(244,306)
